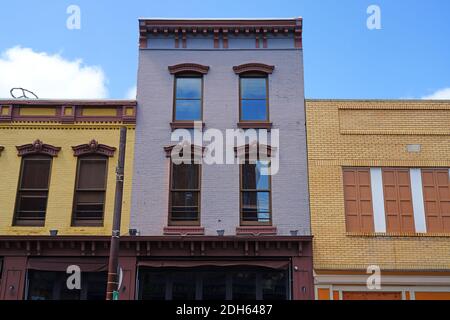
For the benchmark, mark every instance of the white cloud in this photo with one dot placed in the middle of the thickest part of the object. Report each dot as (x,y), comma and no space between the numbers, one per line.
(443,94)
(131,93)
(50,76)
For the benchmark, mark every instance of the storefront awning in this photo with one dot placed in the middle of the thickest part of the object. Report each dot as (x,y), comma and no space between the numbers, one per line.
(61,264)
(272,264)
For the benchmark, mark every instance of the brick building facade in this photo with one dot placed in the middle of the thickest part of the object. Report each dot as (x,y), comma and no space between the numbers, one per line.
(380,196)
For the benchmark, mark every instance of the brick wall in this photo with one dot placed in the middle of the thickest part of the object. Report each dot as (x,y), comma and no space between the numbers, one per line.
(63,172)
(372,133)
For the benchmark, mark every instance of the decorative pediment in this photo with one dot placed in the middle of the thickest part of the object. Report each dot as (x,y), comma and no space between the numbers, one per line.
(195,150)
(38,147)
(254,148)
(93,147)
(188,67)
(253,67)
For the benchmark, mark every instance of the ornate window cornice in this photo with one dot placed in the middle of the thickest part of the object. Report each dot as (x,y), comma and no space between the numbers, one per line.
(93,147)
(188,67)
(38,147)
(196,150)
(253,67)
(256,149)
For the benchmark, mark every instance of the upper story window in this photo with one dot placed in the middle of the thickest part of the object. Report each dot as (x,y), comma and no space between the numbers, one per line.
(436,194)
(32,193)
(254,103)
(90,183)
(188,98)
(34,181)
(90,190)
(184,205)
(256,206)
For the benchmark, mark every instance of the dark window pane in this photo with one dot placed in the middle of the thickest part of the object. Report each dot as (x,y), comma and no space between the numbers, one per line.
(253,110)
(35,173)
(252,177)
(32,203)
(152,285)
(256,206)
(214,286)
(188,110)
(185,176)
(41,285)
(92,174)
(244,286)
(183,286)
(96,285)
(185,199)
(189,88)
(253,88)
(274,285)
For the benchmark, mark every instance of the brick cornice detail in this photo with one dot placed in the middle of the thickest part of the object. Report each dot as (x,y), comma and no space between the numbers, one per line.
(253,67)
(38,147)
(93,147)
(188,67)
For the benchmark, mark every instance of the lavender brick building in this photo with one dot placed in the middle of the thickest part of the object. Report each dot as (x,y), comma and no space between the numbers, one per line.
(226,231)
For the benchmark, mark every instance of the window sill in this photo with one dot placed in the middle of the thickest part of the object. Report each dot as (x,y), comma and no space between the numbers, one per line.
(184,231)
(256,231)
(185,124)
(87,224)
(254,125)
(29,223)
(397,235)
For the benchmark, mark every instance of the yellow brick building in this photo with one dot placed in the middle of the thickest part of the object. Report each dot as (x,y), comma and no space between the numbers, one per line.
(380,197)
(64,125)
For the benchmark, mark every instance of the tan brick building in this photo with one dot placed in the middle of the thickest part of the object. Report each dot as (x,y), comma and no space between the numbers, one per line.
(380,196)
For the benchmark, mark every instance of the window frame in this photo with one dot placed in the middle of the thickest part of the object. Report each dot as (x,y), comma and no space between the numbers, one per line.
(241,204)
(174,103)
(196,222)
(16,217)
(254,75)
(87,222)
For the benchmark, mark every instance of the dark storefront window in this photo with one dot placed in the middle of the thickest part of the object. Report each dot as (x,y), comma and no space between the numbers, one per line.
(51,285)
(212,283)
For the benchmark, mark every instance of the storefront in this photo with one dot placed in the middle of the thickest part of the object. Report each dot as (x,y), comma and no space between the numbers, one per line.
(214,280)
(159,268)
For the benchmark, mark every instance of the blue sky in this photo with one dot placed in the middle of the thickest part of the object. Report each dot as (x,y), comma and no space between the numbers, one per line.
(408,58)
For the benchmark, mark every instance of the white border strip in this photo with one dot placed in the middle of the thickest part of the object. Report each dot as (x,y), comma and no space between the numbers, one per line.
(417,199)
(379,217)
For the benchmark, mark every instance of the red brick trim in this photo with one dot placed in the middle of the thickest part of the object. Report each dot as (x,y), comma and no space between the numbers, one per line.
(184,231)
(93,147)
(188,67)
(38,147)
(256,231)
(253,67)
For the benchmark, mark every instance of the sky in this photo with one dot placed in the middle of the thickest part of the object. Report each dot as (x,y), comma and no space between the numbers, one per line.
(408,58)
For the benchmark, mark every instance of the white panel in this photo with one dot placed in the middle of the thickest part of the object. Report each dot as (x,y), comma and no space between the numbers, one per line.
(417,199)
(379,216)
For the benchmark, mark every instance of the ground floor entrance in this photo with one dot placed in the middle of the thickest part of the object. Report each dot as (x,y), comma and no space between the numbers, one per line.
(413,285)
(213,283)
